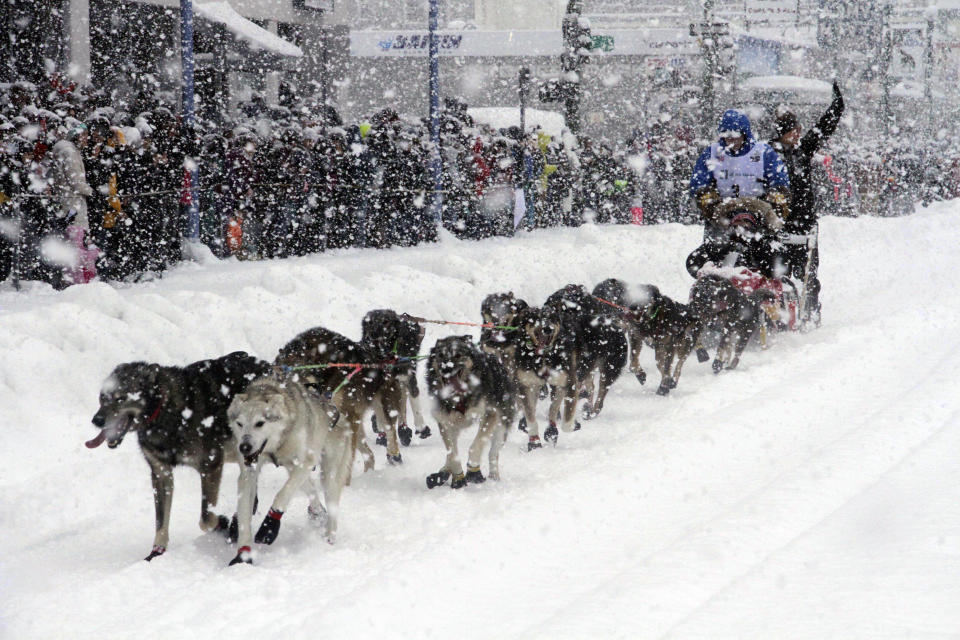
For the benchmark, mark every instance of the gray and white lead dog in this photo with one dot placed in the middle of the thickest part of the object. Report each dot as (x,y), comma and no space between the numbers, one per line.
(282,421)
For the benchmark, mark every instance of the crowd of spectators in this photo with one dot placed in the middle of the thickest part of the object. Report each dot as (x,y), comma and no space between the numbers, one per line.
(92,186)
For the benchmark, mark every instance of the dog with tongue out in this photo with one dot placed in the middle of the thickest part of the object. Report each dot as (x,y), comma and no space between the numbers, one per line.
(180,417)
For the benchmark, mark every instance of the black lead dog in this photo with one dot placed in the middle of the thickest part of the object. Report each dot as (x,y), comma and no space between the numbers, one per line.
(180,417)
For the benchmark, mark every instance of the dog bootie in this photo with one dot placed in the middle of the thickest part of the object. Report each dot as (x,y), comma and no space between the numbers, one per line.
(522,425)
(269,528)
(244,556)
(534,443)
(405,434)
(458,482)
(424,433)
(437,479)
(474,476)
(550,434)
(156,551)
(394,460)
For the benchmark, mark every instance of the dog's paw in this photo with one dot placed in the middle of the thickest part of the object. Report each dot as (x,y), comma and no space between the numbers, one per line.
(233,530)
(223,525)
(551,433)
(671,383)
(382,439)
(316,515)
(522,425)
(405,434)
(534,443)
(269,528)
(424,433)
(156,551)
(244,556)
(474,476)
(588,414)
(393,461)
(702,355)
(717,365)
(663,389)
(641,377)
(437,479)
(458,482)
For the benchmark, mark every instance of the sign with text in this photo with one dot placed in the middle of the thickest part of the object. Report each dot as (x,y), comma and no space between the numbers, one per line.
(314,5)
(610,42)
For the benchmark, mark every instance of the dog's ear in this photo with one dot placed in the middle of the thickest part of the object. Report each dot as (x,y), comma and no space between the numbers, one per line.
(333,414)
(275,406)
(234,407)
(409,337)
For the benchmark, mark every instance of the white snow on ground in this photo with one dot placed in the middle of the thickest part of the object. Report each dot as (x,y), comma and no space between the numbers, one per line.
(812,493)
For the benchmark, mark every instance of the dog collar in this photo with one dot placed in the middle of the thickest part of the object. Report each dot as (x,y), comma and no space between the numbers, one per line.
(156,412)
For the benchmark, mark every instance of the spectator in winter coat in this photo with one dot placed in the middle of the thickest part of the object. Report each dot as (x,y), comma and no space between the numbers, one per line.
(69,181)
(798,153)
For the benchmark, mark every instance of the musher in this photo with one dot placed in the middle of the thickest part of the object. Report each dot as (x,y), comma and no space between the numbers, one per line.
(738,166)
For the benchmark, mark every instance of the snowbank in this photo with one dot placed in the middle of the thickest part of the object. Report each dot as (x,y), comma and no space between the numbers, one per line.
(810,493)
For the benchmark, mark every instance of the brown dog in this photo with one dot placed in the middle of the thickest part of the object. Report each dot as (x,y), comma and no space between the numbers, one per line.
(354,391)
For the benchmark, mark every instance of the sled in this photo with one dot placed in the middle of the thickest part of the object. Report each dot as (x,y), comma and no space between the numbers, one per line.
(784,314)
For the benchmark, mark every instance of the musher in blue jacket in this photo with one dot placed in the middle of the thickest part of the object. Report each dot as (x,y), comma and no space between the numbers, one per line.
(738,166)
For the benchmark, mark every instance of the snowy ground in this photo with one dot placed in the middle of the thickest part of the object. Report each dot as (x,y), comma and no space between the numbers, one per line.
(812,493)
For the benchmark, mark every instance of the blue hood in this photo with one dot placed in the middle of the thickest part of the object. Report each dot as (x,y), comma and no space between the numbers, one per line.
(736,120)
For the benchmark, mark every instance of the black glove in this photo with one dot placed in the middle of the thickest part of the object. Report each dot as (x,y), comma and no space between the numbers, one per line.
(269,528)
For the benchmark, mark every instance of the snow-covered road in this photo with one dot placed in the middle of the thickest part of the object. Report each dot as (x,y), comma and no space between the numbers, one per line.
(812,493)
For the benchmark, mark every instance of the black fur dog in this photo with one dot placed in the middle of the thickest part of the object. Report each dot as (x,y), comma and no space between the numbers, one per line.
(353,391)
(396,339)
(180,417)
(469,385)
(736,316)
(670,327)
(500,310)
(601,344)
(547,351)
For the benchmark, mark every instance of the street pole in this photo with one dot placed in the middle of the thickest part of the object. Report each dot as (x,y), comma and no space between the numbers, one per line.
(524,83)
(708,39)
(571,63)
(886,57)
(186,64)
(436,161)
(931,14)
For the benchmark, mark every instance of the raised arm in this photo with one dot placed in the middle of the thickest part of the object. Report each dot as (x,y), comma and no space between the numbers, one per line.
(827,124)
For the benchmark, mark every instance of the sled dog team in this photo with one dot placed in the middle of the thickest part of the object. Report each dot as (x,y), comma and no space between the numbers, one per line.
(306,409)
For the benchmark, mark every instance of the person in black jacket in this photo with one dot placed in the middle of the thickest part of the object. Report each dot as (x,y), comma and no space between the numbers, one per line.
(797,150)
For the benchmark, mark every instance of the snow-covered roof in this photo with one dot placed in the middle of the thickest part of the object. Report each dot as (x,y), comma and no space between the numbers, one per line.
(258,37)
(788,83)
(791,36)
(503,117)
